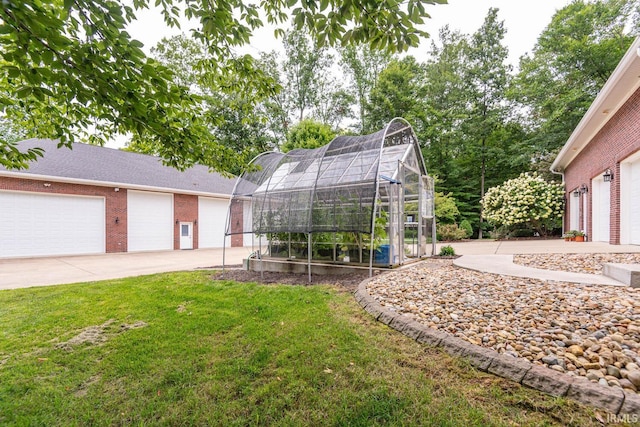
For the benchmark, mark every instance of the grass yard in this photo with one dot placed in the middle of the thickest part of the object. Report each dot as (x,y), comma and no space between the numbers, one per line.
(181,349)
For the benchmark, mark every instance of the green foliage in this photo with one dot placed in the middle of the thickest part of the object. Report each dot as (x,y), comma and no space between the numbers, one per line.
(363,65)
(447,251)
(308,134)
(446,210)
(471,140)
(395,94)
(70,70)
(450,232)
(231,119)
(306,68)
(466,226)
(527,200)
(573,58)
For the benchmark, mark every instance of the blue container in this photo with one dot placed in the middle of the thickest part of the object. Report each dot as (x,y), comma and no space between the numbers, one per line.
(382,255)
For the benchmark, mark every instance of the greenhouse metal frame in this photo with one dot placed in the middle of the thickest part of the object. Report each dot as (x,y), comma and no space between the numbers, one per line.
(357,199)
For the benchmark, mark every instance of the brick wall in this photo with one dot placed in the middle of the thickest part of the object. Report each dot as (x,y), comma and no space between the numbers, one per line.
(185,209)
(616,141)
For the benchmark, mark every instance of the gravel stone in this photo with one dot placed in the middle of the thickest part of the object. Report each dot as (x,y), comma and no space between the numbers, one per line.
(588,330)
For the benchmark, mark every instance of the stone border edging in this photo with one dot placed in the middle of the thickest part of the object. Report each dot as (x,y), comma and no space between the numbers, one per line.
(613,400)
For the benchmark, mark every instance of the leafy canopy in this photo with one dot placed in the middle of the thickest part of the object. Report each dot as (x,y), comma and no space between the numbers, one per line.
(71,71)
(308,134)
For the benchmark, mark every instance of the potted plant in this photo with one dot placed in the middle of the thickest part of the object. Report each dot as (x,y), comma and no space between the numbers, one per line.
(579,236)
(569,236)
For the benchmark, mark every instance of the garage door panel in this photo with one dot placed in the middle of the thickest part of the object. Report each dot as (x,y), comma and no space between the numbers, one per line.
(149,221)
(33,224)
(634,204)
(212,217)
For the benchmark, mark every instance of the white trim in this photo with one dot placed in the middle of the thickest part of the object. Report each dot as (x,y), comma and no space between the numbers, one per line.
(623,83)
(122,185)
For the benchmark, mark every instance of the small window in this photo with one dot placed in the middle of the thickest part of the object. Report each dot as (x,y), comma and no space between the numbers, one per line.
(185,230)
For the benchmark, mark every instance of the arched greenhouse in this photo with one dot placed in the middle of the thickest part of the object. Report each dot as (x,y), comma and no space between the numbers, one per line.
(363,200)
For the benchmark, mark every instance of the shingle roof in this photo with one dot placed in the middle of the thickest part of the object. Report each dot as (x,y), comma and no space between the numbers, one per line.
(107,165)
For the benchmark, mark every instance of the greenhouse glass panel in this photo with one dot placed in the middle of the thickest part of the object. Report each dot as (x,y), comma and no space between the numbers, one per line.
(357,199)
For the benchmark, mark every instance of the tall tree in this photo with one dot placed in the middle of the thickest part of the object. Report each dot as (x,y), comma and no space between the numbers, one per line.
(397,93)
(363,66)
(70,66)
(231,119)
(445,106)
(274,108)
(469,137)
(487,81)
(306,68)
(573,58)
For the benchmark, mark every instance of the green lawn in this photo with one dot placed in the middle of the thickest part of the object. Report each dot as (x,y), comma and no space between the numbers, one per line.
(180,349)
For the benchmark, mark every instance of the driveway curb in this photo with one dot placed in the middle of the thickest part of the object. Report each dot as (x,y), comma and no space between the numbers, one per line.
(613,400)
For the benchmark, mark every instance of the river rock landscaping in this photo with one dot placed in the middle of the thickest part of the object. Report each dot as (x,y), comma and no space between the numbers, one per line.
(575,263)
(591,331)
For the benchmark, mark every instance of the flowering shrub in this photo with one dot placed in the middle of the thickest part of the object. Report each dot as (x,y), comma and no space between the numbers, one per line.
(528,199)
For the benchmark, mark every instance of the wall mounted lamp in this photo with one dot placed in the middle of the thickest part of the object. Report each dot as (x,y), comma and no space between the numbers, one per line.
(584,189)
(177,221)
(608,175)
(195,222)
(46,184)
(576,192)
(117,220)
(116,189)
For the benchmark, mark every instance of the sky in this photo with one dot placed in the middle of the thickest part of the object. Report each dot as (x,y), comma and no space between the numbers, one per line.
(524,21)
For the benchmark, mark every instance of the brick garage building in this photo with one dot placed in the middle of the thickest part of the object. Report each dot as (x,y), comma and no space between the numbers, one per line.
(92,200)
(600,162)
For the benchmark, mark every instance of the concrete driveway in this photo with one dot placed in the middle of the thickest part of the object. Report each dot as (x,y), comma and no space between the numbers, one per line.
(28,272)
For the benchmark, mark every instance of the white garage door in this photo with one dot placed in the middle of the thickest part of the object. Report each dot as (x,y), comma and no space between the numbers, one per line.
(601,210)
(634,204)
(34,224)
(150,221)
(212,217)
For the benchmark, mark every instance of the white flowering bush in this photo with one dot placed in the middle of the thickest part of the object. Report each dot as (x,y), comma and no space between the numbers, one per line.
(526,200)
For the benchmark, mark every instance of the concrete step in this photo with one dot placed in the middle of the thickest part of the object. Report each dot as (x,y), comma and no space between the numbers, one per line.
(629,274)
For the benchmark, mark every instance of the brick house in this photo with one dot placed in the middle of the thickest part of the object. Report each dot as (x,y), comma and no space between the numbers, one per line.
(92,200)
(600,162)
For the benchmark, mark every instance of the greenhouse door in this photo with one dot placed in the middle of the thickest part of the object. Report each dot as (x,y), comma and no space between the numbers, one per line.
(395,218)
(410,226)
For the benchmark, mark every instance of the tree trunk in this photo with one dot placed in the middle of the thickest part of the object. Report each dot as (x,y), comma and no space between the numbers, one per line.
(482,174)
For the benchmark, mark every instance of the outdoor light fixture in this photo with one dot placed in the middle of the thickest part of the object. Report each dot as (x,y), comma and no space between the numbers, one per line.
(117,220)
(195,222)
(608,175)
(116,189)
(584,189)
(177,221)
(576,192)
(46,184)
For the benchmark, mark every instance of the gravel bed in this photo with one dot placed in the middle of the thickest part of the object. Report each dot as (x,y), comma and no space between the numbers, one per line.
(584,330)
(575,263)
